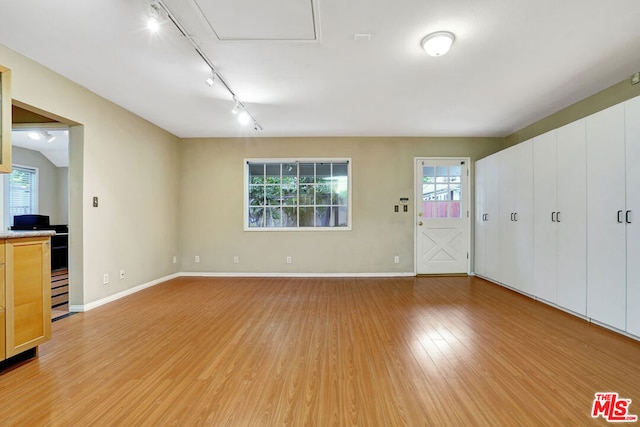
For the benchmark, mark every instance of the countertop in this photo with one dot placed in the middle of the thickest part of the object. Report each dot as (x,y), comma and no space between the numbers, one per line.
(20,234)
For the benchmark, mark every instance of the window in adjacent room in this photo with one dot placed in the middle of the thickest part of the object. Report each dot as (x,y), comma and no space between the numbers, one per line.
(296,194)
(23,191)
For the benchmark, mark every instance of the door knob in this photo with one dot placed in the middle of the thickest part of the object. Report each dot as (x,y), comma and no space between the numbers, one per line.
(420,223)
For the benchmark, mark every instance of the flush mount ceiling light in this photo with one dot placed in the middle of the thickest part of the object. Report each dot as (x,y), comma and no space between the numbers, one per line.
(438,43)
(41,135)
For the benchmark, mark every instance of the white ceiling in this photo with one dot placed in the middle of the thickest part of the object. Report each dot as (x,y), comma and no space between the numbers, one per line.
(57,150)
(298,69)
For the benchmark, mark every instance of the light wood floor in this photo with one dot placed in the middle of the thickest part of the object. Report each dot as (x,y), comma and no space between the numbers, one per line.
(373,352)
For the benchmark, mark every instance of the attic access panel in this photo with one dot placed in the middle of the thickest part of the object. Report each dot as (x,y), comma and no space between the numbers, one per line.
(274,20)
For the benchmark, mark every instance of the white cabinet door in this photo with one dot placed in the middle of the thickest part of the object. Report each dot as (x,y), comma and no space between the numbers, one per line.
(524,218)
(516,217)
(545,228)
(606,252)
(632,124)
(572,217)
(492,224)
(480,254)
(508,169)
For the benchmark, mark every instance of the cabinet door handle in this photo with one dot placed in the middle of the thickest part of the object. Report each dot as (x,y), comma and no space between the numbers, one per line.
(485,217)
(553,217)
(557,216)
(511,216)
(619,217)
(628,217)
(515,216)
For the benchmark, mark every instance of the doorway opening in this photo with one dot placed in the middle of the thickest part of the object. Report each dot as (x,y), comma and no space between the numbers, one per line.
(38,194)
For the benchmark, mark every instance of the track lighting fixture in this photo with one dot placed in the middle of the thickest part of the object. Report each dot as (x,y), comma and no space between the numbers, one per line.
(158,9)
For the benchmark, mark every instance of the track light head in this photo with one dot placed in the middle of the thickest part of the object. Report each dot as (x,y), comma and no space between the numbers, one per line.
(210,80)
(153,22)
(236,107)
(244,118)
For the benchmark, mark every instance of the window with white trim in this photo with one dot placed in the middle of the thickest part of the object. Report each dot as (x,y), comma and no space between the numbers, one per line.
(23,191)
(297,194)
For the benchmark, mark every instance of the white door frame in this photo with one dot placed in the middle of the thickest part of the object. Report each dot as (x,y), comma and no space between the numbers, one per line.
(467,161)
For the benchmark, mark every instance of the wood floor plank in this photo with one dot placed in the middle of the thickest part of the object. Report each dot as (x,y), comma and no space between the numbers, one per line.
(319,352)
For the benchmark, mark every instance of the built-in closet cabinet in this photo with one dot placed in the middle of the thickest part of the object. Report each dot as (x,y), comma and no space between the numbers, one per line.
(516,217)
(504,217)
(569,209)
(559,200)
(606,207)
(487,193)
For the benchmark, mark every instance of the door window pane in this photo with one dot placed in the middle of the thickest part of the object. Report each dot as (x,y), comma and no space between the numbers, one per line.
(441,191)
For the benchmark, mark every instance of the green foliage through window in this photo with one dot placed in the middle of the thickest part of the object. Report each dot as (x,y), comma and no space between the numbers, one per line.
(298,194)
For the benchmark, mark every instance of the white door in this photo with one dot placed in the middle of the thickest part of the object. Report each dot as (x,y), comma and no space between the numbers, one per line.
(606,252)
(516,217)
(545,210)
(493,260)
(571,217)
(632,214)
(442,221)
(480,253)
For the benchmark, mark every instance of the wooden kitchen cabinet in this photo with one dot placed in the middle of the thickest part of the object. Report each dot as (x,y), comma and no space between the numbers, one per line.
(3,342)
(27,293)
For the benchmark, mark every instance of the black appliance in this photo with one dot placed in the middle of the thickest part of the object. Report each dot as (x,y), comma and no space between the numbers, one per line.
(59,242)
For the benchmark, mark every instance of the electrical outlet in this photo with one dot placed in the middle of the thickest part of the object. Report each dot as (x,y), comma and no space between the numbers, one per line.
(105,279)
(396,259)
(289,260)
(236,260)
(121,274)
(635,78)
(197,258)
(175,259)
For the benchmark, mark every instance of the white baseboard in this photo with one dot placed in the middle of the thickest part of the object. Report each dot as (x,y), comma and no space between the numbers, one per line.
(111,298)
(262,274)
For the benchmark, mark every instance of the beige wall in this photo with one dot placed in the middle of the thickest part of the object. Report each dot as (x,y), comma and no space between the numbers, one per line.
(616,94)
(212,191)
(129,163)
(52,184)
